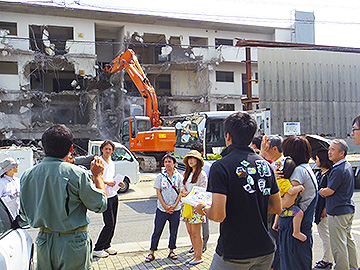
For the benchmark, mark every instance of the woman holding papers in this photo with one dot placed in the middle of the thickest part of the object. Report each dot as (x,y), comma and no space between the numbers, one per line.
(102,247)
(194,176)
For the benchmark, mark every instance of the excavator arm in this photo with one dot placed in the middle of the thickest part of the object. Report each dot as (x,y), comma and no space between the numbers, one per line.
(130,63)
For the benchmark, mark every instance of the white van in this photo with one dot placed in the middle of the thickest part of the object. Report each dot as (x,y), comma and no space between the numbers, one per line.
(125,162)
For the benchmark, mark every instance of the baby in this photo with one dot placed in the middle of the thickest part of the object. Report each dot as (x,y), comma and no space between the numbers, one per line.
(289,194)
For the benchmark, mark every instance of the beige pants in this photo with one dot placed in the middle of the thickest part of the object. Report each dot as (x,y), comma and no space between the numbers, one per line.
(323,230)
(342,242)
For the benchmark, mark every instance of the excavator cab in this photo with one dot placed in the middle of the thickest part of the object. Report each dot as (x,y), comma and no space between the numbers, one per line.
(131,126)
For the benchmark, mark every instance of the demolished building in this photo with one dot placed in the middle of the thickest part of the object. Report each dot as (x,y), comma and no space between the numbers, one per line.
(52,58)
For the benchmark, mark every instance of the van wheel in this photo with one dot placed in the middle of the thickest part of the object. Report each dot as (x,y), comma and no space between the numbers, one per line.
(126,186)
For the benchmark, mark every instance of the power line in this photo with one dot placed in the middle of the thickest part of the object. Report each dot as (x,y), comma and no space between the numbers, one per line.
(189,15)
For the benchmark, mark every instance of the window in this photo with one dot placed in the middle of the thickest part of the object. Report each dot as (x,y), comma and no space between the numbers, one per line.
(12,27)
(225,107)
(41,37)
(198,41)
(125,131)
(243,83)
(133,129)
(222,41)
(96,150)
(214,131)
(9,68)
(224,76)
(143,125)
(120,154)
(161,83)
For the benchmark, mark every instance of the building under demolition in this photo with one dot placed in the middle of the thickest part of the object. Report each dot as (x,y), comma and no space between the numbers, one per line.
(52,60)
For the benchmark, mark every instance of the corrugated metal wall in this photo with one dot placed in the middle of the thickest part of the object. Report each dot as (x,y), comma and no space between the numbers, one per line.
(319,89)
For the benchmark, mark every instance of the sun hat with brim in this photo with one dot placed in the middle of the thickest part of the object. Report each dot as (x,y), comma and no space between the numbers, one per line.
(194,154)
(7,164)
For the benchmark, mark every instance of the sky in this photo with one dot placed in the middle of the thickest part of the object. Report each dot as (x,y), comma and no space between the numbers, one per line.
(337,23)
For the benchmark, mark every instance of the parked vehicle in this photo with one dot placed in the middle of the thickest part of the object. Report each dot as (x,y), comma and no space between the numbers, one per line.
(16,247)
(318,142)
(125,162)
(207,128)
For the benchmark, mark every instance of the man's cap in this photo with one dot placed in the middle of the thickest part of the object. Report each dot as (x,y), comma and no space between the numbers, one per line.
(7,164)
(194,154)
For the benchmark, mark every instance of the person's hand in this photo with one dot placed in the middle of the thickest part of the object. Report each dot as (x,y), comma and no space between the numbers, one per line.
(171,209)
(97,167)
(121,184)
(302,188)
(323,213)
(184,192)
(168,209)
(265,146)
(199,210)
(279,174)
(321,193)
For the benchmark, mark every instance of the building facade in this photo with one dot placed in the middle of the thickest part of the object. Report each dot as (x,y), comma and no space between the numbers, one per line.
(52,60)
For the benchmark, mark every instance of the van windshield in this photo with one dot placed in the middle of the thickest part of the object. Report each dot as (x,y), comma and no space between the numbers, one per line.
(121,154)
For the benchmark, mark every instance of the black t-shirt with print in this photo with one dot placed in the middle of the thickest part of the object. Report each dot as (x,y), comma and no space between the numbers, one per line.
(247,181)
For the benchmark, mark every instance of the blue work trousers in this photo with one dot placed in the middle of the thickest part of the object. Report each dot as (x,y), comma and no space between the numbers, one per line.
(160,220)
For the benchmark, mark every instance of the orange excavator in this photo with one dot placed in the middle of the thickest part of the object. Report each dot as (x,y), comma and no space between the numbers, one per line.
(143,135)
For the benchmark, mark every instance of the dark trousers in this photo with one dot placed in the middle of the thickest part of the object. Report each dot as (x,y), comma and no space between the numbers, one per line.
(205,232)
(109,218)
(160,220)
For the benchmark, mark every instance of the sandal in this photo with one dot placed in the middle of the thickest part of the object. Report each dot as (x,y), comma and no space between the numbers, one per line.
(172,255)
(322,264)
(150,258)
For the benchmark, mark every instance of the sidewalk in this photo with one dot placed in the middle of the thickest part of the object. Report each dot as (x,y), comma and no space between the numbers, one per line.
(136,259)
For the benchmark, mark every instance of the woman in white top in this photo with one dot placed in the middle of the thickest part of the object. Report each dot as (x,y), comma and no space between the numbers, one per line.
(10,185)
(194,176)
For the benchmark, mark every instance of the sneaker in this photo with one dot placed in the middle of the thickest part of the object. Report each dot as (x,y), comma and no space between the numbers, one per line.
(191,250)
(204,249)
(111,251)
(100,254)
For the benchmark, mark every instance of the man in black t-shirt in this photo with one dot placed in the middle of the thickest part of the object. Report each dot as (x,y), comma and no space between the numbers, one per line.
(244,191)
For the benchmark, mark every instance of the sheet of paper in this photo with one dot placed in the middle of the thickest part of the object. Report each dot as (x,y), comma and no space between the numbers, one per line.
(117,179)
(198,195)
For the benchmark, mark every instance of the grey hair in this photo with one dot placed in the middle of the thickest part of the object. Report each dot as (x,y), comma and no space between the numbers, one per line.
(275,140)
(342,145)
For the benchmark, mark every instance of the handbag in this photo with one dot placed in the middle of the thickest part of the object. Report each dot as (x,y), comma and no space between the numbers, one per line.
(188,211)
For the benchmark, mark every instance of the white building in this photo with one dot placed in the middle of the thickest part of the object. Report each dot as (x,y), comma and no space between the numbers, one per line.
(51,64)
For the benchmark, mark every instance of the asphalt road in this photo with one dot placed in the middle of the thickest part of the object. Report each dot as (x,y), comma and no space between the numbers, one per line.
(136,217)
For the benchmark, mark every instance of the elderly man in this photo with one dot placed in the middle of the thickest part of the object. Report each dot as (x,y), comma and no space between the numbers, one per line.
(55,196)
(340,207)
(271,150)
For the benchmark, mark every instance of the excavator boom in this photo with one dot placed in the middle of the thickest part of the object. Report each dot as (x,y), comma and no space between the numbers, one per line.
(130,63)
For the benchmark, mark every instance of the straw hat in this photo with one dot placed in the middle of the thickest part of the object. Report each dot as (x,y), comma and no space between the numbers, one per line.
(7,164)
(194,154)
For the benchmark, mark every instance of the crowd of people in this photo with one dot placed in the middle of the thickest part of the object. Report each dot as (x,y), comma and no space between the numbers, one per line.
(265,196)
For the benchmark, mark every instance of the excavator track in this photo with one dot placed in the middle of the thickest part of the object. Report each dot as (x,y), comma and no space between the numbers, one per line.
(146,163)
